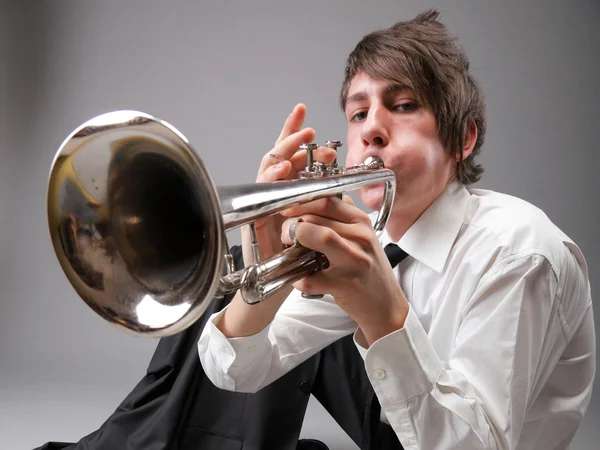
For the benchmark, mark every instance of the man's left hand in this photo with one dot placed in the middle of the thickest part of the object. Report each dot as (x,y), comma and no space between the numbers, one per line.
(359,277)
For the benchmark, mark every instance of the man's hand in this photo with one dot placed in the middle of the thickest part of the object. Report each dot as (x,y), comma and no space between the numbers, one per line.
(359,277)
(282,163)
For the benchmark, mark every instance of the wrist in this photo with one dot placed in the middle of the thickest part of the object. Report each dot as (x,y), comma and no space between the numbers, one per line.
(241,319)
(383,324)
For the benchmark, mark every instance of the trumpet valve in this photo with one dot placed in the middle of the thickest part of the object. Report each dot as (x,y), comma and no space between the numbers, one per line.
(334,145)
(316,169)
(310,148)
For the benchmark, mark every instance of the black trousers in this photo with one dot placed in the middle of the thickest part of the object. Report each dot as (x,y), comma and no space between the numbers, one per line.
(176,407)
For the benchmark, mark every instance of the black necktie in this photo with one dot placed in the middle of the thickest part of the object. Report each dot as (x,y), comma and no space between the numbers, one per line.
(395,254)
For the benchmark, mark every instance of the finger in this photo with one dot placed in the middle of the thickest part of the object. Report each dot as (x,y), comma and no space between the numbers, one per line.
(293,123)
(340,228)
(276,172)
(346,198)
(324,240)
(323,154)
(316,283)
(329,207)
(285,149)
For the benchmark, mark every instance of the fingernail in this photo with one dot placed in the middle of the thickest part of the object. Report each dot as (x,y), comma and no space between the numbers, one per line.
(279,166)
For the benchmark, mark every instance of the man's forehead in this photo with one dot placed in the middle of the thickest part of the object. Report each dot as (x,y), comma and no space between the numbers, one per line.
(363,84)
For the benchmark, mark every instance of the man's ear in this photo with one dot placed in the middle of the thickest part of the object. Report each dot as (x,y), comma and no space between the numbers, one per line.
(470,140)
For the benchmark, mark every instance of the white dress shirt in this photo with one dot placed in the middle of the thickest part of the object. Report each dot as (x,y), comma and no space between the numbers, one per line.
(497,351)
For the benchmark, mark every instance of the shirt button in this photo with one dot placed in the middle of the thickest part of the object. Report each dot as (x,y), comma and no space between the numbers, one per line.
(379,374)
(305,387)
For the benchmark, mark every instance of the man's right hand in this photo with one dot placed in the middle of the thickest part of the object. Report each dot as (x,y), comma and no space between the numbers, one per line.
(281,163)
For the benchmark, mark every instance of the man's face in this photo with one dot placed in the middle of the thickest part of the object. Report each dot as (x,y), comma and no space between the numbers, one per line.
(385,120)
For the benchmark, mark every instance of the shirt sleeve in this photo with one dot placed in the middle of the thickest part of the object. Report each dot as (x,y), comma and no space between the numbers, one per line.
(302,328)
(509,332)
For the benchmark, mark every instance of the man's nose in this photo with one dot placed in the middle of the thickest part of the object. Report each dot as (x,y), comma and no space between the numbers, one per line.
(374,130)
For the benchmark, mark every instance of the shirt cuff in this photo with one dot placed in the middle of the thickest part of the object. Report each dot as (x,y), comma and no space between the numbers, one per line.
(238,351)
(403,364)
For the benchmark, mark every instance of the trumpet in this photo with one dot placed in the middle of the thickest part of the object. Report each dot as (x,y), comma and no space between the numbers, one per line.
(139,228)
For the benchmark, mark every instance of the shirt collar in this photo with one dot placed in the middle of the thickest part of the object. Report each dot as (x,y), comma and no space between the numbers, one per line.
(430,239)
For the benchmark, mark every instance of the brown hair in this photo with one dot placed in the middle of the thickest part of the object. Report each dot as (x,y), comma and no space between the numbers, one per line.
(422,55)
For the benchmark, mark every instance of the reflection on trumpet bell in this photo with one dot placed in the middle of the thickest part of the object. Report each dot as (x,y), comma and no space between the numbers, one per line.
(139,227)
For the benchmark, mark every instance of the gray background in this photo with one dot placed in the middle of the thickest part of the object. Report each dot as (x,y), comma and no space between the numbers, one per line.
(226,74)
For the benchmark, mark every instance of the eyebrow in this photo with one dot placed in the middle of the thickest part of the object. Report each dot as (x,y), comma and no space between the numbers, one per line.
(395,87)
(391,88)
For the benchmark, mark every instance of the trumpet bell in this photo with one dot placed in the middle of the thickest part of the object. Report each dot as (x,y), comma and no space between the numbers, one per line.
(135,222)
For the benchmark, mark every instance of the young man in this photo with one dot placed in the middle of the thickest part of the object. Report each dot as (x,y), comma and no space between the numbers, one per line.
(483,337)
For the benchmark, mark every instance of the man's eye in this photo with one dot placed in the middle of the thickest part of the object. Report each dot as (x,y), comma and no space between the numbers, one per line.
(362,115)
(406,107)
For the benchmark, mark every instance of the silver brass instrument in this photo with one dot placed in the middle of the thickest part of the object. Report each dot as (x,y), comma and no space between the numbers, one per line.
(140,230)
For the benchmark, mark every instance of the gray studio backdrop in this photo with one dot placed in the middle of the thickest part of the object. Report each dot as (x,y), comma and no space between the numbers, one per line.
(226,74)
